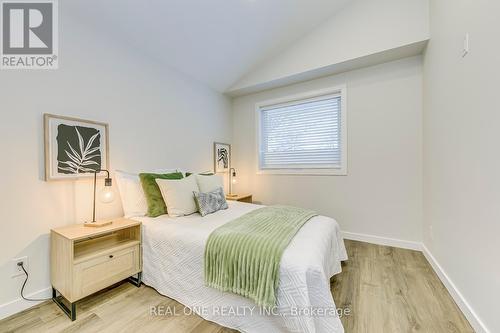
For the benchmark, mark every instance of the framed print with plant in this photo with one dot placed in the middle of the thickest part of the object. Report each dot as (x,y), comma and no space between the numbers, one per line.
(74,148)
(222,157)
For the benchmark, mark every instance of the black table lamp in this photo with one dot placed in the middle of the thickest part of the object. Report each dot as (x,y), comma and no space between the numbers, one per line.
(105,196)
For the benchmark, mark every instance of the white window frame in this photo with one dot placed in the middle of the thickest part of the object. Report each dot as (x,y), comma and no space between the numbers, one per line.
(337,171)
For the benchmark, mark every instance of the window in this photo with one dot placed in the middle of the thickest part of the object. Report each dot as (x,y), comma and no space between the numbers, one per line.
(303,134)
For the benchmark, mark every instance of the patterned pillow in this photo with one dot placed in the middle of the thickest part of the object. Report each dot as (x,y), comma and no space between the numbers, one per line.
(210,202)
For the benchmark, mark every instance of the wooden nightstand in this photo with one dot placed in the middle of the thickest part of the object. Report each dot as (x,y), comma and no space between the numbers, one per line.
(85,260)
(242,198)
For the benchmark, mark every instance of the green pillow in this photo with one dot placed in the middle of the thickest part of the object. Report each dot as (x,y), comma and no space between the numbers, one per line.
(154,199)
(201,174)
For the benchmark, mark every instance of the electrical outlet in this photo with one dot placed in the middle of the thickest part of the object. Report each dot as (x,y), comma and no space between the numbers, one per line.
(16,269)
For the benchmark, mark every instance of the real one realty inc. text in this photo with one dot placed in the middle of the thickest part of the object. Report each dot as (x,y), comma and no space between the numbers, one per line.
(242,311)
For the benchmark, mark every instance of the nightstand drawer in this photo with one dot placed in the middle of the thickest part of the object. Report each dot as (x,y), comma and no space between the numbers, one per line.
(100,272)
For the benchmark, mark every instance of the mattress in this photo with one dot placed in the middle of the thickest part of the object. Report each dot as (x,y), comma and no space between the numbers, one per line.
(173,252)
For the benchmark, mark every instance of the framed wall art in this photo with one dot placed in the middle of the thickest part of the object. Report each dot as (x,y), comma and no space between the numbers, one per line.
(74,148)
(222,157)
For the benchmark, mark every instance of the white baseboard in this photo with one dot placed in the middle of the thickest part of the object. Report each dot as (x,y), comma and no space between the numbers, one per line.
(457,296)
(18,305)
(404,244)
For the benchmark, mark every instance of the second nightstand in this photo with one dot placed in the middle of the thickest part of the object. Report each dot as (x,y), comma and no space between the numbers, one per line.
(242,198)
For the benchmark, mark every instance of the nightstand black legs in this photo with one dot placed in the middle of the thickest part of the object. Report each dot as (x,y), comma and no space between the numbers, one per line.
(136,281)
(70,310)
(71,313)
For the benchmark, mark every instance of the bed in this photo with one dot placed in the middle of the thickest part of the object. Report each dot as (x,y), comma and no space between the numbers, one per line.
(173,252)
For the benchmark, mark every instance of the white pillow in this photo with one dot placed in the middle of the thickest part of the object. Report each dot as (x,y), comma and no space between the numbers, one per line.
(178,195)
(131,193)
(209,183)
(133,198)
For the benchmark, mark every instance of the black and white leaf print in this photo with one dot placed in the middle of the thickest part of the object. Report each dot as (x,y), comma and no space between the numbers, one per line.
(79,149)
(223,158)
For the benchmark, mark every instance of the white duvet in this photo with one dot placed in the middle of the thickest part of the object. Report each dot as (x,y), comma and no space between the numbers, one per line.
(173,251)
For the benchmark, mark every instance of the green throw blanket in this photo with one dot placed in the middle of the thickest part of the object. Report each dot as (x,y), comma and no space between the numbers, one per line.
(243,256)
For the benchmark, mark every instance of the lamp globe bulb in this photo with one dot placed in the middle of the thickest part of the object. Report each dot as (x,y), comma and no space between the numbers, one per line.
(107,195)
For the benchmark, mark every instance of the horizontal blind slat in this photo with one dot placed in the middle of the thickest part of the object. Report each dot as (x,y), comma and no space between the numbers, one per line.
(303,104)
(283,113)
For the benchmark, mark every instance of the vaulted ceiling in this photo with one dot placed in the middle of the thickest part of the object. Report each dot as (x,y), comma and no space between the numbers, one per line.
(214,41)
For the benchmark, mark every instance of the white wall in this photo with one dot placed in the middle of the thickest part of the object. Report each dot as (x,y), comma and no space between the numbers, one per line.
(461,154)
(157,117)
(382,193)
(362,28)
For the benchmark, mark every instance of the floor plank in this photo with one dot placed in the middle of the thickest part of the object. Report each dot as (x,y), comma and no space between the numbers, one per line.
(381,289)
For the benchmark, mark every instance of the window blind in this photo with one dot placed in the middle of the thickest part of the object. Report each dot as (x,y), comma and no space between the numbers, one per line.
(303,134)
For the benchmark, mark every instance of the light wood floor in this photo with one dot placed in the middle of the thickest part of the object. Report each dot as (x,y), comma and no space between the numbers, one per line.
(385,289)
(393,290)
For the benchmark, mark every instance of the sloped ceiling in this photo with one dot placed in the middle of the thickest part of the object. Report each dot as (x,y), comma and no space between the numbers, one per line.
(213,41)
(364,33)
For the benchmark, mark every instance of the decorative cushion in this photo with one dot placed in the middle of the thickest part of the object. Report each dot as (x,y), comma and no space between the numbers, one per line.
(154,199)
(178,195)
(131,193)
(210,202)
(205,173)
(209,183)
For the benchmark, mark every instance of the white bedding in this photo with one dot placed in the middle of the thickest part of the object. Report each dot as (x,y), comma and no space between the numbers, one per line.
(173,251)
